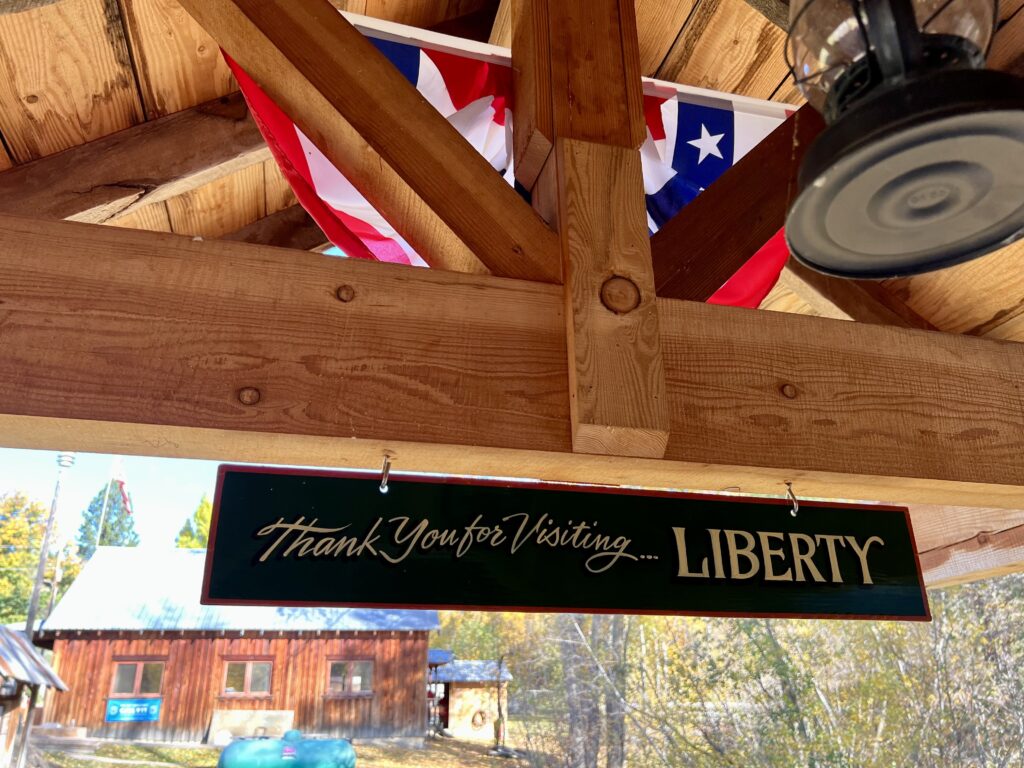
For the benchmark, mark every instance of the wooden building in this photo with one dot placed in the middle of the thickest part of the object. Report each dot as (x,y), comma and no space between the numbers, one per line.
(143,659)
(468,695)
(21,667)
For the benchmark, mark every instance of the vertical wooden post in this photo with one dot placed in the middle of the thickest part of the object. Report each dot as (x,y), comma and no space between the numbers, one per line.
(590,186)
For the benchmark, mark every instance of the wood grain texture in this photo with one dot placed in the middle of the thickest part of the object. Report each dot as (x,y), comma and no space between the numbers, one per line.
(985,556)
(1007,51)
(5,159)
(419,13)
(700,248)
(984,297)
(936,527)
(148,163)
(727,46)
(533,116)
(782,299)
(409,162)
(220,207)
(288,228)
(501,31)
(658,24)
(279,193)
(595,72)
(65,77)
(616,376)
(154,218)
(194,668)
(157,333)
(862,300)
(179,65)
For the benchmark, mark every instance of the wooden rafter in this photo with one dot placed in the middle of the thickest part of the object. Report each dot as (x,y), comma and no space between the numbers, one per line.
(148,163)
(142,342)
(578,92)
(408,161)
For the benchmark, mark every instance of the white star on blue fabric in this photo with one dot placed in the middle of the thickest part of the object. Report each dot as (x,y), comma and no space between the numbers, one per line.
(707,144)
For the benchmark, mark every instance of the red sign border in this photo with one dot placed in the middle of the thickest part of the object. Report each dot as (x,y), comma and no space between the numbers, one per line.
(362,474)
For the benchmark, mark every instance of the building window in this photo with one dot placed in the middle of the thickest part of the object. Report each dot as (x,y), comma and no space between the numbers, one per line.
(248,678)
(349,677)
(137,678)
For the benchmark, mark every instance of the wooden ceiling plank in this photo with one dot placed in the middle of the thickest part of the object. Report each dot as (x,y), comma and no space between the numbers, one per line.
(1007,51)
(222,206)
(286,228)
(937,527)
(67,77)
(154,218)
(659,23)
(148,163)
(870,412)
(862,300)
(727,46)
(700,248)
(329,78)
(280,194)
(501,31)
(419,13)
(985,556)
(533,105)
(179,65)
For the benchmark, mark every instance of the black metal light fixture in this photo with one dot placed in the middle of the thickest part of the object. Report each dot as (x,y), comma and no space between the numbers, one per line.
(922,163)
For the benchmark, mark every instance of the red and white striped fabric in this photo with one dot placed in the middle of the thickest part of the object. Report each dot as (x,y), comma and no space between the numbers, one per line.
(693,137)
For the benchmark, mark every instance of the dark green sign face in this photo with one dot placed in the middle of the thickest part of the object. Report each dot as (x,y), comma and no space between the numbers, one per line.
(283,537)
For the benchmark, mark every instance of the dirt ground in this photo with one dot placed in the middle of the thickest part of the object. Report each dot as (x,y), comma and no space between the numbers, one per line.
(438,753)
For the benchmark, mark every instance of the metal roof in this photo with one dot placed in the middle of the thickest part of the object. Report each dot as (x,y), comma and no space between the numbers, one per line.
(20,660)
(148,588)
(470,671)
(438,656)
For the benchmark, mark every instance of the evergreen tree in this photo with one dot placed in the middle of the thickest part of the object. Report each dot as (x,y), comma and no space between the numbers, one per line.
(21,535)
(118,525)
(195,533)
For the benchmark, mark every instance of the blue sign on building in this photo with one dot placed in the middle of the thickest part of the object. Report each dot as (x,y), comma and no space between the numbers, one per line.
(133,710)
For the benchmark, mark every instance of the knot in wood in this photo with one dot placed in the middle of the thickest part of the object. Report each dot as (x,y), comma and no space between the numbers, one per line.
(788,390)
(620,294)
(345,293)
(248,395)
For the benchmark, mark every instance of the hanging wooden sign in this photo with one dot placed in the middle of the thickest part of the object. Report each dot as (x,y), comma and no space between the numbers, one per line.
(308,538)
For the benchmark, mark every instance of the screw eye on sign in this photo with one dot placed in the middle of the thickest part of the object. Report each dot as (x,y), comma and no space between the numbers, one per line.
(309,538)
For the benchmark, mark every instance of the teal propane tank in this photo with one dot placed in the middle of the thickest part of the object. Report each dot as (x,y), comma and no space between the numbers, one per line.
(292,751)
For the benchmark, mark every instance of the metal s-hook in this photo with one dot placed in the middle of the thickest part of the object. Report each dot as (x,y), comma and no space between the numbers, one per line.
(385,471)
(792,497)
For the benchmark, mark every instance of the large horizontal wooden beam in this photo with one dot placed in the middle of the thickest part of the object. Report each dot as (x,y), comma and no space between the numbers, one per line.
(409,162)
(154,161)
(140,342)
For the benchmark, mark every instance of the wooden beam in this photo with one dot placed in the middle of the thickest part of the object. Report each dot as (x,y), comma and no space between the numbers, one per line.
(715,234)
(1007,51)
(533,104)
(984,556)
(862,300)
(776,11)
(148,163)
(409,162)
(579,86)
(288,228)
(139,342)
(501,30)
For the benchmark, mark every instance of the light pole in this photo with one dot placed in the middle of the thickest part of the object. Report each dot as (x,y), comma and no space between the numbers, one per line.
(65,459)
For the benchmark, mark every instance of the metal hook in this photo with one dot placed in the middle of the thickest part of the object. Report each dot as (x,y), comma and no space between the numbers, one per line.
(385,470)
(792,498)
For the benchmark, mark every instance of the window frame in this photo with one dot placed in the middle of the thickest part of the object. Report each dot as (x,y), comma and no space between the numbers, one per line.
(246,693)
(351,694)
(139,662)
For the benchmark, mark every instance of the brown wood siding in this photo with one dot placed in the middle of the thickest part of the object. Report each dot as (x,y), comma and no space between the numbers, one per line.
(194,675)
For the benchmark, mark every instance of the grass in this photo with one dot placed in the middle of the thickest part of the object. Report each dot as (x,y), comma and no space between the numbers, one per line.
(438,753)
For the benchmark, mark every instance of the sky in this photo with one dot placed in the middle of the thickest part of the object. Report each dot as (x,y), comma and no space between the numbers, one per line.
(164,492)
